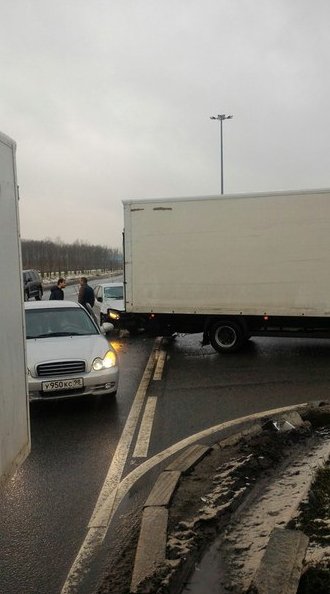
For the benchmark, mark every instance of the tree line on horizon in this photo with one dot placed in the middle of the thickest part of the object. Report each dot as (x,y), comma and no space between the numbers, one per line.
(56,257)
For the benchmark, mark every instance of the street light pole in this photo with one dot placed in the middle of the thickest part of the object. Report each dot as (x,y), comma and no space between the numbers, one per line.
(221,117)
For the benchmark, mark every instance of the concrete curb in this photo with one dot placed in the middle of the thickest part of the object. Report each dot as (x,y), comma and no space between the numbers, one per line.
(151,552)
(281,566)
(151,548)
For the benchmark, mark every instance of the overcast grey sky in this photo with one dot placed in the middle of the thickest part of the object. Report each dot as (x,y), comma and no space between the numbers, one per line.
(111,99)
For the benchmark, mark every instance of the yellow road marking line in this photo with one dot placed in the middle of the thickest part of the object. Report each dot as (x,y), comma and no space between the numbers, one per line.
(160,365)
(143,440)
(103,511)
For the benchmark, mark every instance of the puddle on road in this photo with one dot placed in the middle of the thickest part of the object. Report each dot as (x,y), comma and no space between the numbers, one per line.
(207,576)
(230,563)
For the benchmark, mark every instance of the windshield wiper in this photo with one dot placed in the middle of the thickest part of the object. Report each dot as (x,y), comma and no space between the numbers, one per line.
(50,334)
(66,334)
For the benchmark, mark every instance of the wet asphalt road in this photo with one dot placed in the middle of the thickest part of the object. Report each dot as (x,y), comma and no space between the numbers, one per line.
(45,508)
(201,389)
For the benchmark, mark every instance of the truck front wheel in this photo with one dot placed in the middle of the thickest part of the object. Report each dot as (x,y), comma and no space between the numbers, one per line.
(227,336)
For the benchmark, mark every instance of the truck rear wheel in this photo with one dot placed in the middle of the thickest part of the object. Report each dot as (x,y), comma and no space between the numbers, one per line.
(227,336)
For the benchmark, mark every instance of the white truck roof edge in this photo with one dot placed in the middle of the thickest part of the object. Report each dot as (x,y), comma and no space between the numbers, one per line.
(240,195)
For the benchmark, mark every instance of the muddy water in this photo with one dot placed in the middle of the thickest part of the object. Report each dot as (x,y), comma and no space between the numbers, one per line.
(208,577)
(229,564)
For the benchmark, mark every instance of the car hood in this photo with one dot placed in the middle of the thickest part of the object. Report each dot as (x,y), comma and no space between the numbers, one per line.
(114,303)
(83,348)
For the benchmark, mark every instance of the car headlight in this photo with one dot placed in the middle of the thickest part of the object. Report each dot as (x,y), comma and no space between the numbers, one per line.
(109,360)
(114,315)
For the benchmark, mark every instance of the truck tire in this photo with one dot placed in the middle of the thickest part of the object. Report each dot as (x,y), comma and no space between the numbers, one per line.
(227,336)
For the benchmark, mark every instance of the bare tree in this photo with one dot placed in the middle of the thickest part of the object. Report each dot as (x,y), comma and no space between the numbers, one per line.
(55,257)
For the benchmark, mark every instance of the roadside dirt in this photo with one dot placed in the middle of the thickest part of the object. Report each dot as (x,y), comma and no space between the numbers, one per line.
(214,505)
(313,518)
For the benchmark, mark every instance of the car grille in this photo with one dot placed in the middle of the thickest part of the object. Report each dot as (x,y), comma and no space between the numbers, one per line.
(61,368)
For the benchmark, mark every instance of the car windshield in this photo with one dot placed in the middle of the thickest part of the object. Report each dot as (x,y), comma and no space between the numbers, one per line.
(44,323)
(113,292)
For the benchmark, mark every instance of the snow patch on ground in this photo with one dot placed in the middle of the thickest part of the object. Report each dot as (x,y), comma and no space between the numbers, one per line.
(246,537)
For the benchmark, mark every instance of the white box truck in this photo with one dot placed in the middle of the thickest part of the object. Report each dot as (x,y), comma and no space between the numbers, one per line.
(231,266)
(14,410)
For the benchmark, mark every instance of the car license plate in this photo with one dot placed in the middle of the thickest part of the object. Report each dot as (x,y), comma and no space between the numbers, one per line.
(66,384)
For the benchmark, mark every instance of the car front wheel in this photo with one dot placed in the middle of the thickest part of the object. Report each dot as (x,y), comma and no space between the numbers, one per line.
(39,296)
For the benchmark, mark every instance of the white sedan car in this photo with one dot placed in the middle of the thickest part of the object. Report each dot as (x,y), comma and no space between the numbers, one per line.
(109,301)
(67,353)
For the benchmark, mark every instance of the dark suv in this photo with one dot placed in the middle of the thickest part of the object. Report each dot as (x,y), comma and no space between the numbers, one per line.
(32,285)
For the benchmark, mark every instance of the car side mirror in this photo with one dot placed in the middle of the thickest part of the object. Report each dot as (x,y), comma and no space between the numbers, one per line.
(100,299)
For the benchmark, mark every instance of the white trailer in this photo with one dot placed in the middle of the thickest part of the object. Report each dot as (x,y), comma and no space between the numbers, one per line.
(230,266)
(14,410)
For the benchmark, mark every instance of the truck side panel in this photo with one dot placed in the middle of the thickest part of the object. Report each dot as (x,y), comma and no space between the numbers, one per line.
(233,255)
(14,411)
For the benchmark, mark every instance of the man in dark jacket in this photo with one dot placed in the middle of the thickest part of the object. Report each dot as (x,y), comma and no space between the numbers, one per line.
(86,293)
(57,291)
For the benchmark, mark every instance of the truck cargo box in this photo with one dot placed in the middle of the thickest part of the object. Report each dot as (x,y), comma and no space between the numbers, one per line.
(244,254)
(14,412)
